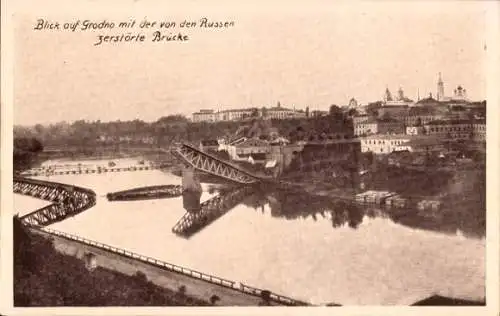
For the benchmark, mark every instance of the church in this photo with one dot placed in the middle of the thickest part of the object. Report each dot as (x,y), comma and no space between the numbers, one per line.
(459,94)
(394,106)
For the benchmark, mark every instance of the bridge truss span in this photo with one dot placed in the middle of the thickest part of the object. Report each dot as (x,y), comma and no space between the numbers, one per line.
(207,163)
(67,200)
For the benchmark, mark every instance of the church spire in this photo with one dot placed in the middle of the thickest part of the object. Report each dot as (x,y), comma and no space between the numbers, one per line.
(440,88)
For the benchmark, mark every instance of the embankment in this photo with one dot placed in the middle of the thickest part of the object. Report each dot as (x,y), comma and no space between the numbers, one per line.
(196,284)
(44,277)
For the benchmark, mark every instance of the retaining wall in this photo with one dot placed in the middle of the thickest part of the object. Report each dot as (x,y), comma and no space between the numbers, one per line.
(197,284)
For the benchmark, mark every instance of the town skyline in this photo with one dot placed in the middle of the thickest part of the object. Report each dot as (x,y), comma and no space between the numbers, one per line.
(301,59)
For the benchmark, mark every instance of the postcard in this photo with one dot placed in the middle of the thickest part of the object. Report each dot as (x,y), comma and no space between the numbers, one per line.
(186,157)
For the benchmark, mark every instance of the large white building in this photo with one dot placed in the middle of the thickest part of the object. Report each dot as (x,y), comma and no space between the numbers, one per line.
(280,113)
(277,112)
(385,144)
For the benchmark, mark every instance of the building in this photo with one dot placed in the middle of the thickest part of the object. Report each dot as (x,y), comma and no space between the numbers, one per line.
(237,114)
(459,93)
(379,126)
(365,127)
(422,114)
(479,130)
(280,113)
(458,112)
(204,116)
(394,107)
(415,130)
(450,129)
(360,118)
(429,101)
(318,113)
(277,112)
(209,144)
(385,144)
(399,101)
(225,115)
(251,150)
(353,104)
(440,89)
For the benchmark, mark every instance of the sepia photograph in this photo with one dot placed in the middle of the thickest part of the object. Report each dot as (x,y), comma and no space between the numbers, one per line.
(297,154)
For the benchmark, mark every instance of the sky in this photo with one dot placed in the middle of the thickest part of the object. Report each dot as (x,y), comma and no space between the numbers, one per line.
(303,53)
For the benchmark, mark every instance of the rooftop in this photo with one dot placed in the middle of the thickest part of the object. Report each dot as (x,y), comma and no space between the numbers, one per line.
(422,110)
(427,100)
(372,120)
(210,142)
(252,142)
(449,122)
(388,136)
(424,141)
(276,108)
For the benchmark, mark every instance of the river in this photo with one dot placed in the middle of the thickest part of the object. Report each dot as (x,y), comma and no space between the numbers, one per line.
(360,257)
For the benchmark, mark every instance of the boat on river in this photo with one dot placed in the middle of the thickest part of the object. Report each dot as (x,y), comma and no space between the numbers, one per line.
(146,193)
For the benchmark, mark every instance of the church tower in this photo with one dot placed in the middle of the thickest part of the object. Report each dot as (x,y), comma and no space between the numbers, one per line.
(387,95)
(401,94)
(440,89)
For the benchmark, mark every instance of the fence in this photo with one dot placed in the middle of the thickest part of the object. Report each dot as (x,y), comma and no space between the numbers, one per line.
(175,268)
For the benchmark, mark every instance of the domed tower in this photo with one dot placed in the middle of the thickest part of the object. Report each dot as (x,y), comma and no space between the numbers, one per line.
(353,103)
(440,89)
(387,95)
(401,94)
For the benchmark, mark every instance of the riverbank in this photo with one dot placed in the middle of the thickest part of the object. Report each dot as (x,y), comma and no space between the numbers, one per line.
(462,196)
(45,277)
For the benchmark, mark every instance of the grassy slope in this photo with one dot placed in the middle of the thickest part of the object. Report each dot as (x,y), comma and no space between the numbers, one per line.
(44,277)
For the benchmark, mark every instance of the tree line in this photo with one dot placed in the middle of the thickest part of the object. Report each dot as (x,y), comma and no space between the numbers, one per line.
(25,152)
(177,128)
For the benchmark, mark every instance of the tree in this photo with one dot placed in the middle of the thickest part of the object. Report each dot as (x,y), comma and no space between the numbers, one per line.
(264,111)
(336,113)
(353,112)
(373,107)
(172,119)
(307,111)
(300,133)
(214,299)
(334,110)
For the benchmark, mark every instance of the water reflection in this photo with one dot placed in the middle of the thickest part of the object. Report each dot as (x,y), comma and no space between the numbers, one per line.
(295,204)
(200,215)
(191,200)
